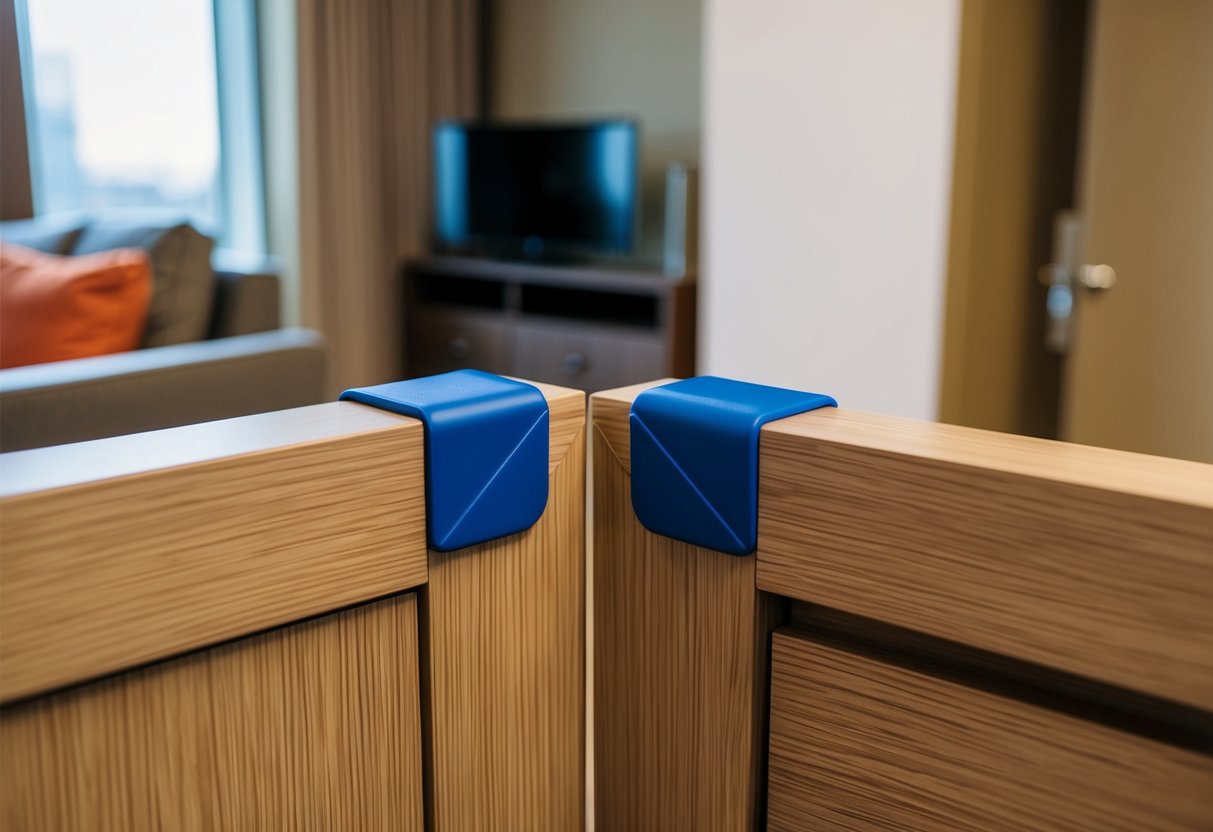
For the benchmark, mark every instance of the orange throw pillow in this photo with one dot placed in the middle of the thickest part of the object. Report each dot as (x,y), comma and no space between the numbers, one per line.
(54,308)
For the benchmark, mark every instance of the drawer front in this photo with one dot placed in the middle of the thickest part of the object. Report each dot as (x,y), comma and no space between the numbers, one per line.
(860,744)
(439,342)
(587,357)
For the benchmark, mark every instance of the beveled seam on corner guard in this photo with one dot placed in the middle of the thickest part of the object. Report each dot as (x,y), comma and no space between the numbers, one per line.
(486,452)
(694,453)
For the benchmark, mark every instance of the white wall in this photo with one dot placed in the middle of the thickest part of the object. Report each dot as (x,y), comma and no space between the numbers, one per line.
(828,131)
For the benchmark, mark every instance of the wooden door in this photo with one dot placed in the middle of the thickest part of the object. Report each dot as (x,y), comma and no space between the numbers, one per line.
(1140,373)
(235,624)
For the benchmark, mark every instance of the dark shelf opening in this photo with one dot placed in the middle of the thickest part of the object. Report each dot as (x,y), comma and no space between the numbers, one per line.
(580,304)
(460,291)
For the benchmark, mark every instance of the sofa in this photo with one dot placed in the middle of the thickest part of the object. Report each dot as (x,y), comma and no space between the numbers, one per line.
(213,347)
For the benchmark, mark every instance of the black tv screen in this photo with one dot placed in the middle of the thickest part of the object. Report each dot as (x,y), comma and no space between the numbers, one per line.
(535,189)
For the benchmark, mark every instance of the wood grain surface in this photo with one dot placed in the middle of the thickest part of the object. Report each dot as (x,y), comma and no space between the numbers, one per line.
(680,636)
(611,409)
(126,550)
(314,726)
(861,744)
(503,667)
(1088,560)
(566,420)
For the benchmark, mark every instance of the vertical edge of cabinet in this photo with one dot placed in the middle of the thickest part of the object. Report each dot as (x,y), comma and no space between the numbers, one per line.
(502,660)
(681,654)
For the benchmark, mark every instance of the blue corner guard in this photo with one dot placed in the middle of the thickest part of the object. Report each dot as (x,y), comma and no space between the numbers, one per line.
(486,460)
(695,457)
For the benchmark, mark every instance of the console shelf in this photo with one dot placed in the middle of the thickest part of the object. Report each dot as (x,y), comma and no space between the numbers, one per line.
(591,327)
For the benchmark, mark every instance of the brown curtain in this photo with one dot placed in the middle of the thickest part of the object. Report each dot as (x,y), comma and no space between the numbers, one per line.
(16,201)
(374,75)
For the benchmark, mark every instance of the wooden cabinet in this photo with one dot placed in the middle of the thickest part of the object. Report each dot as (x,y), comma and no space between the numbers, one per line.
(961,630)
(590,328)
(232,625)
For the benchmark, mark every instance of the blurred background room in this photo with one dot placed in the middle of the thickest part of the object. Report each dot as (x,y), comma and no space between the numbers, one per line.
(993,214)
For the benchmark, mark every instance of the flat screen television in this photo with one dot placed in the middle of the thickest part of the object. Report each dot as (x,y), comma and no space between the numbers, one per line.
(535,190)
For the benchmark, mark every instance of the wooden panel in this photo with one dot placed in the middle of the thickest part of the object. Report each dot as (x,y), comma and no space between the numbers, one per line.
(610,415)
(679,649)
(1091,561)
(859,744)
(126,550)
(311,727)
(505,652)
(566,423)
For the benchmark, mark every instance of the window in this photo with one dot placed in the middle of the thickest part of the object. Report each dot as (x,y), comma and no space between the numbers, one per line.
(145,105)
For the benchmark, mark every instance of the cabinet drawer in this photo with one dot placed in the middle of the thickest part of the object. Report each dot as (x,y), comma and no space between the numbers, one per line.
(440,341)
(857,743)
(587,357)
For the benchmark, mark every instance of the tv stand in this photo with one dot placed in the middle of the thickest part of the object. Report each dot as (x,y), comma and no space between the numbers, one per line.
(588,326)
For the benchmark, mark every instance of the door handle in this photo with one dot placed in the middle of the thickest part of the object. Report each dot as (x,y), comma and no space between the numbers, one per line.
(1059,303)
(1096,278)
(1065,275)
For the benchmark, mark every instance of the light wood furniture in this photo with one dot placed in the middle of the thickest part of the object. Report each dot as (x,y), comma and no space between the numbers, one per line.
(312,726)
(1085,560)
(238,625)
(589,327)
(506,670)
(679,649)
(859,741)
(972,631)
(160,543)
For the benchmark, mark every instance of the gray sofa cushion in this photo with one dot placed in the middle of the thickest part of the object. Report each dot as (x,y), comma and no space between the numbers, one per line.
(183,283)
(53,235)
(91,398)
